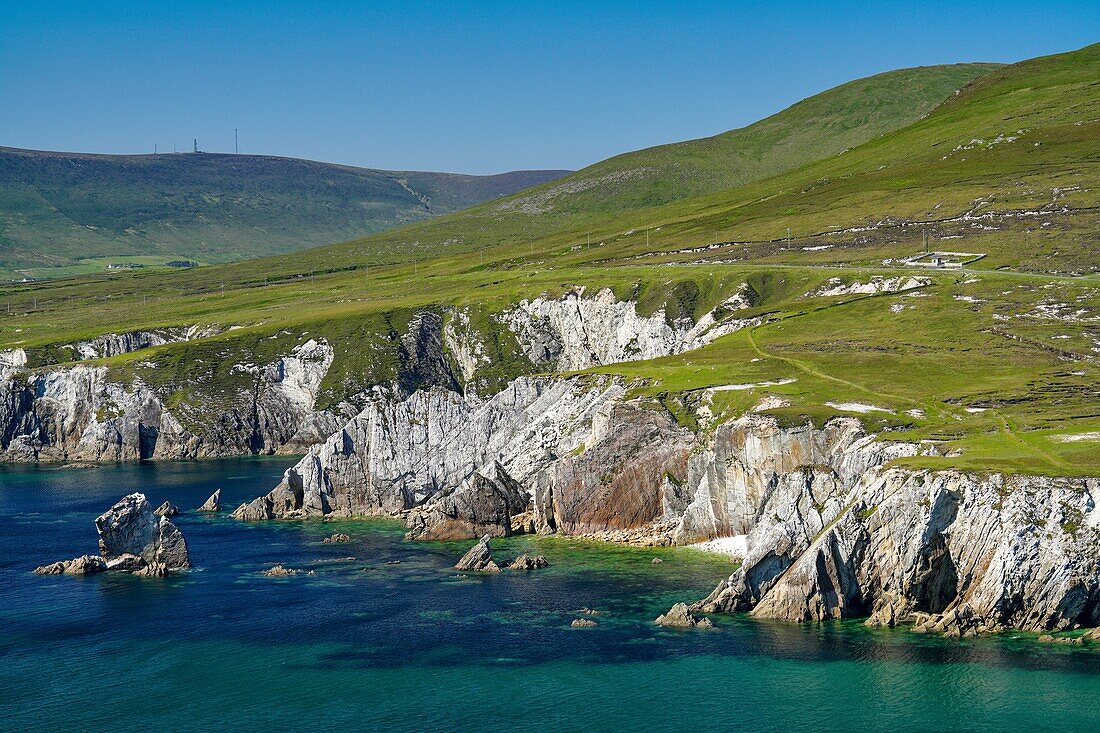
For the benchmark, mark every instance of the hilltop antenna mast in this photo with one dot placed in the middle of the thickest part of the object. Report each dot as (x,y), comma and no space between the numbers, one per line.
(236,149)
(196,148)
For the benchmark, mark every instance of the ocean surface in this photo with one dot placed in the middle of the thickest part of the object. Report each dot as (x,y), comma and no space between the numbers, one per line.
(387,636)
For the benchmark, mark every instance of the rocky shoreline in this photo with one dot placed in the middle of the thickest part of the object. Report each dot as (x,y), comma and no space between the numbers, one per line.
(830,530)
(827,526)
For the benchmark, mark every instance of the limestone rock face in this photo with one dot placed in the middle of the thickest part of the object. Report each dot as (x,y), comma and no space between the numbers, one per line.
(479,558)
(396,455)
(130,527)
(480,505)
(574,332)
(79,413)
(956,553)
(213,504)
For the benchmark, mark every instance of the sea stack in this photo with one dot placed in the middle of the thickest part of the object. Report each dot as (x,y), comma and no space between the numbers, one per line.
(213,504)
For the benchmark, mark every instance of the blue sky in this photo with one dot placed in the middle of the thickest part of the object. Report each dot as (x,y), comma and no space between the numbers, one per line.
(472,87)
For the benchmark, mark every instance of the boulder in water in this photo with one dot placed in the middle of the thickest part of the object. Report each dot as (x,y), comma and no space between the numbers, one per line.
(526,562)
(337,538)
(213,504)
(83,565)
(681,617)
(479,557)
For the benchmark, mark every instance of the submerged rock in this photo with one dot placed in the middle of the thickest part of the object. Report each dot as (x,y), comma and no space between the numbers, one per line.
(583,623)
(336,538)
(83,565)
(526,562)
(479,558)
(213,504)
(167,509)
(130,527)
(278,571)
(681,617)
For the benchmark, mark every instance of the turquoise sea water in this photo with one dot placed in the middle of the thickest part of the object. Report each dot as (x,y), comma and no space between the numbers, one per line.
(373,644)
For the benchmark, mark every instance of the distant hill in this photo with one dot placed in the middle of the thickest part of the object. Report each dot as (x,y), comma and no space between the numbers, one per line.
(80,212)
(815,128)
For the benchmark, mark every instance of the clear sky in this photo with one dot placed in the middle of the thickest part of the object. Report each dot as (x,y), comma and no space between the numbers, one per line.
(474,87)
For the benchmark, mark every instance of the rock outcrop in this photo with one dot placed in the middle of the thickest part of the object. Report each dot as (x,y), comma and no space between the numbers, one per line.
(956,553)
(130,527)
(395,456)
(828,528)
(574,332)
(526,562)
(681,617)
(481,504)
(212,504)
(167,509)
(132,538)
(479,558)
(81,413)
(83,565)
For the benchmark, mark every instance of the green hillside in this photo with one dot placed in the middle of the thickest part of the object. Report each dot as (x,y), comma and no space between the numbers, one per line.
(815,128)
(995,363)
(62,213)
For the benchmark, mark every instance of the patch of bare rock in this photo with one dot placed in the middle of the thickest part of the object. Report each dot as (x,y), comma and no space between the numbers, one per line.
(480,558)
(133,538)
(167,509)
(681,617)
(213,504)
(336,538)
(526,562)
(583,623)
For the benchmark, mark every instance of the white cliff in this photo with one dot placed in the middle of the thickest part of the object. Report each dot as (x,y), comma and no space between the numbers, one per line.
(81,413)
(574,332)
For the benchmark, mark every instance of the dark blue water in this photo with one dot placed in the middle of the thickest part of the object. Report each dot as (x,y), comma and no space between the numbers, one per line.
(370,643)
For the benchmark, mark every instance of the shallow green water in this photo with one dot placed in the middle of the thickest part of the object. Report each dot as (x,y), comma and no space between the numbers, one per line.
(370,643)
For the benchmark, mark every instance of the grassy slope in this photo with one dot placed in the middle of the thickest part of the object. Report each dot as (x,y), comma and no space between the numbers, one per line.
(818,127)
(994,365)
(59,208)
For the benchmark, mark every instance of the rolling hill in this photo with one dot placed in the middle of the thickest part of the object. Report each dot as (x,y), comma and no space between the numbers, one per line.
(995,363)
(64,213)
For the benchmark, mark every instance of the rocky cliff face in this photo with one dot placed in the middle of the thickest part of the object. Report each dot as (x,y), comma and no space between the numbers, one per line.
(86,412)
(80,413)
(954,552)
(829,530)
(573,332)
